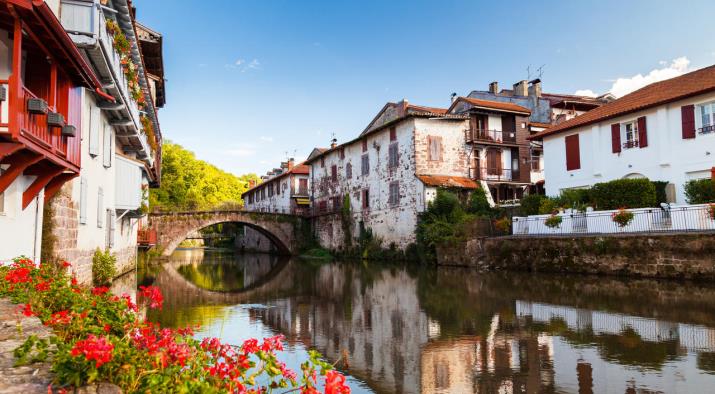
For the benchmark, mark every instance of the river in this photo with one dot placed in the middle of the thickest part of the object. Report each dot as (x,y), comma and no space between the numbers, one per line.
(410,329)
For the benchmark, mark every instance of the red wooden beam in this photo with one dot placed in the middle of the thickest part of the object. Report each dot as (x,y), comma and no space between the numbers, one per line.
(40,182)
(8,148)
(18,162)
(56,184)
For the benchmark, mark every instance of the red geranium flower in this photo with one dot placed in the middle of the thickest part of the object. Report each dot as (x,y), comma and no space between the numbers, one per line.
(100,290)
(94,348)
(153,294)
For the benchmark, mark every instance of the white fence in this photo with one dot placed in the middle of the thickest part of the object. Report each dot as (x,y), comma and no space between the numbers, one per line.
(666,219)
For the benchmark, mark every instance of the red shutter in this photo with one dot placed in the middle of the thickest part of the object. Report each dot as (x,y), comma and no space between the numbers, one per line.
(573,154)
(486,122)
(642,133)
(616,137)
(688,117)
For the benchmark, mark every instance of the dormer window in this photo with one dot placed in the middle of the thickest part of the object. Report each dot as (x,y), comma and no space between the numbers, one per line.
(706,118)
(629,131)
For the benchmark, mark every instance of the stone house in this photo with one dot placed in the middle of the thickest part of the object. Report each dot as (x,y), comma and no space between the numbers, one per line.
(388,174)
(664,132)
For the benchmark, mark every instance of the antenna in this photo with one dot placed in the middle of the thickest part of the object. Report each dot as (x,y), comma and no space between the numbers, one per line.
(528,72)
(540,70)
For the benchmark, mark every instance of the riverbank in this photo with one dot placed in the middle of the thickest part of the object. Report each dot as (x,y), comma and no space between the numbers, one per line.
(671,256)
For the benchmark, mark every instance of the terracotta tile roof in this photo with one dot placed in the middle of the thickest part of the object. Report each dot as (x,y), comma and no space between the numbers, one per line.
(491,104)
(431,110)
(556,98)
(539,124)
(448,181)
(658,93)
(298,169)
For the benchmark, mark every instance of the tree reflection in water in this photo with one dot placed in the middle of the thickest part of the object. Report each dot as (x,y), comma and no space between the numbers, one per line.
(412,330)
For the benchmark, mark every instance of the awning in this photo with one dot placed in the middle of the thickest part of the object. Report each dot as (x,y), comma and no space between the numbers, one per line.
(302,201)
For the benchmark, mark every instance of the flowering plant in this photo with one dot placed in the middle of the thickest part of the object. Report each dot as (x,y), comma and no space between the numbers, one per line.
(622,217)
(148,128)
(99,337)
(553,221)
(130,69)
(503,224)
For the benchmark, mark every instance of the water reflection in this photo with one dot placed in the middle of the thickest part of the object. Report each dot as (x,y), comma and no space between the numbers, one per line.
(454,331)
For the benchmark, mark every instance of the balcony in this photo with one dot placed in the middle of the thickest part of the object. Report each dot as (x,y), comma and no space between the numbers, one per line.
(492,174)
(630,144)
(708,129)
(491,136)
(146,238)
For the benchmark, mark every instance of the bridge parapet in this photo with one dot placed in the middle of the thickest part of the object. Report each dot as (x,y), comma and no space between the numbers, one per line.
(284,230)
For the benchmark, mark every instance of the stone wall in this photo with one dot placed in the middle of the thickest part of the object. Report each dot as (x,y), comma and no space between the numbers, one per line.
(686,256)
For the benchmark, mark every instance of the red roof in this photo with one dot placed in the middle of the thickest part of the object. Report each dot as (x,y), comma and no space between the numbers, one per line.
(448,181)
(658,93)
(491,104)
(431,110)
(299,169)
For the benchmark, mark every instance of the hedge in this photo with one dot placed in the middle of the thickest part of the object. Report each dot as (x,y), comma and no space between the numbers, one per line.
(624,193)
(700,191)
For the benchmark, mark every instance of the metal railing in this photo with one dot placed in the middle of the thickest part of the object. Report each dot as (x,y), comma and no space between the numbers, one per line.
(685,218)
(491,136)
(491,174)
(630,144)
(707,129)
(4,104)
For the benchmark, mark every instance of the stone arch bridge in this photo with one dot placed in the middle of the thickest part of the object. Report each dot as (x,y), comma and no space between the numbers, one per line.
(285,231)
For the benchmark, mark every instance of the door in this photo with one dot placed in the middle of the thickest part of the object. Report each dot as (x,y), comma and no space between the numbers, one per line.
(494,162)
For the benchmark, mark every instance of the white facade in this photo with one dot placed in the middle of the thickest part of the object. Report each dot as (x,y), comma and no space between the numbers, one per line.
(667,156)
(283,191)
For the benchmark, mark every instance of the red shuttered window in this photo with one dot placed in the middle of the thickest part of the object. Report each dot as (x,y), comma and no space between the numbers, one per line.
(688,117)
(642,132)
(616,137)
(573,154)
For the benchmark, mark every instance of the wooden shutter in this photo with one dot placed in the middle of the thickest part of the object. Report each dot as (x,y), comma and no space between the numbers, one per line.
(573,154)
(94,123)
(616,137)
(642,132)
(111,227)
(100,207)
(107,152)
(83,201)
(687,113)
(435,148)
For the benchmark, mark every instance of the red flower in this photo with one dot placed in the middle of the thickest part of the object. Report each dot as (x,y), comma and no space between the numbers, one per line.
(130,305)
(107,328)
(94,348)
(59,318)
(153,294)
(335,383)
(74,281)
(18,275)
(66,264)
(100,290)
(26,310)
(43,286)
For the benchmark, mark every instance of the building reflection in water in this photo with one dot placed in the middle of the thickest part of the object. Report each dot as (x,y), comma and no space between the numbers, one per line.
(455,331)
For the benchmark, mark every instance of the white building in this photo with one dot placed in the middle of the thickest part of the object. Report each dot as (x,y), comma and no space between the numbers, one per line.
(663,132)
(283,190)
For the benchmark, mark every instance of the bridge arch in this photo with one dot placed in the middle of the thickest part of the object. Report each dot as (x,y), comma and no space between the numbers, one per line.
(172,228)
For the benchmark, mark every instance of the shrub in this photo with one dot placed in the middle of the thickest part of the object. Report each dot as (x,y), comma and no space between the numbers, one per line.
(622,218)
(441,222)
(530,204)
(104,267)
(478,203)
(628,193)
(548,206)
(711,211)
(503,225)
(99,337)
(575,198)
(700,191)
(553,221)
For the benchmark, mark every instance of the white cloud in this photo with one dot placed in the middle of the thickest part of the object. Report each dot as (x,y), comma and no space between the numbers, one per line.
(241,152)
(266,139)
(586,92)
(622,86)
(243,65)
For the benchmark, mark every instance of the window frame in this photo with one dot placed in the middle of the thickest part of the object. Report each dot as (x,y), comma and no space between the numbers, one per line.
(394,193)
(632,142)
(393,155)
(700,126)
(365,165)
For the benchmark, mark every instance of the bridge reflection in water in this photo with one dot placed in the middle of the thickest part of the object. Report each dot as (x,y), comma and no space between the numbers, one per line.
(454,331)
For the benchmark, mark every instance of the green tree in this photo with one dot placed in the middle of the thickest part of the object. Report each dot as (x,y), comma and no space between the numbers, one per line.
(188,183)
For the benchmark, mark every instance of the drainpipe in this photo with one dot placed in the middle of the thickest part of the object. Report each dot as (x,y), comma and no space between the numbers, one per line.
(37,219)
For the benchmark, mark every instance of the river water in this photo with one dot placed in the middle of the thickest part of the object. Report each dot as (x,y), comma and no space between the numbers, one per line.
(409,329)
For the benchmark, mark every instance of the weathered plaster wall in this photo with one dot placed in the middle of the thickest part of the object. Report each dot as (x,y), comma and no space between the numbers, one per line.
(689,256)
(253,241)
(278,202)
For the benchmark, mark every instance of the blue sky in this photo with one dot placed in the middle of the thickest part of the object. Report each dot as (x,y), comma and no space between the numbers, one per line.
(248,81)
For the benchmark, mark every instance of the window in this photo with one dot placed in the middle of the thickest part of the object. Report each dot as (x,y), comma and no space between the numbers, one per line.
(393,156)
(336,204)
(707,118)
(250,198)
(366,199)
(393,134)
(334,173)
(394,193)
(302,186)
(573,154)
(94,124)
(322,162)
(630,134)
(364,145)
(365,164)
(107,152)
(435,148)
(270,191)
(263,194)
(536,160)
(83,201)
(342,153)
(349,171)
(100,208)
(323,206)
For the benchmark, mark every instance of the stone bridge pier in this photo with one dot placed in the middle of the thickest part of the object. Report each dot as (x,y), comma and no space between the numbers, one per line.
(285,231)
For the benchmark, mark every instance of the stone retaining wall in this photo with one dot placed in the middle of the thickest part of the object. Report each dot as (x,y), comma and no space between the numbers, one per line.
(687,256)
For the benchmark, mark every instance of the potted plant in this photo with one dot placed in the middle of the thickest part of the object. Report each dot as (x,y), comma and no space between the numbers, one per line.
(553,221)
(622,217)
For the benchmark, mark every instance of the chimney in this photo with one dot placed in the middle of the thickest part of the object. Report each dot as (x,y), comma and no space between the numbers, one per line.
(535,88)
(251,183)
(290,164)
(333,143)
(453,97)
(521,88)
(494,87)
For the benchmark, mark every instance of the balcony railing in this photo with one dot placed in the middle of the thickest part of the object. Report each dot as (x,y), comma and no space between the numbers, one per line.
(4,119)
(707,129)
(146,237)
(496,136)
(630,144)
(493,174)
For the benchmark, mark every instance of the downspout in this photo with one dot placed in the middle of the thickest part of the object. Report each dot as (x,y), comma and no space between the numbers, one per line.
(37,219)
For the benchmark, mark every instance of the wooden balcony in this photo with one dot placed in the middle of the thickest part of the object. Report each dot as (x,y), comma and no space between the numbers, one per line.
(146,238)
(493,174)
(491,136)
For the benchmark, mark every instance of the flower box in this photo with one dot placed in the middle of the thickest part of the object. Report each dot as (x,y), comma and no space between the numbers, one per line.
(37,106)
(3,93)
(55,119)
(69,131)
